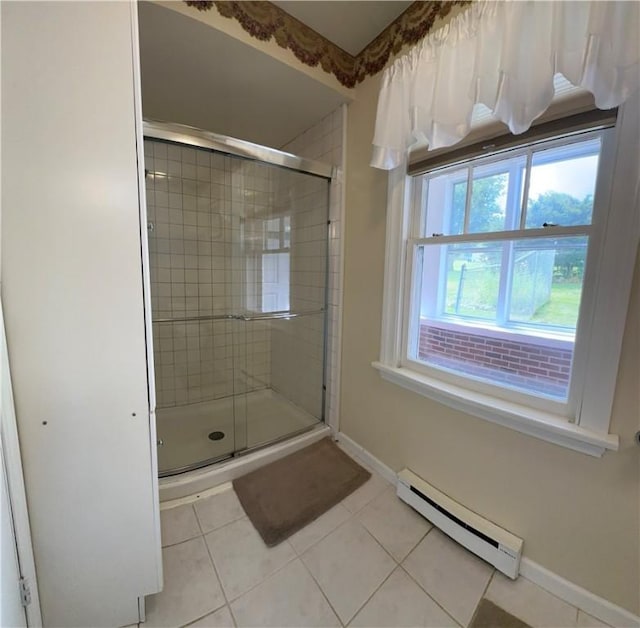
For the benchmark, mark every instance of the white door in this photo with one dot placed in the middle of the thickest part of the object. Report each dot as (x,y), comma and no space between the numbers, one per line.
(12,612)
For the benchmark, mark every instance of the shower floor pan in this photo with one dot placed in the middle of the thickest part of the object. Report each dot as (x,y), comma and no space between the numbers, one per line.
(184,431)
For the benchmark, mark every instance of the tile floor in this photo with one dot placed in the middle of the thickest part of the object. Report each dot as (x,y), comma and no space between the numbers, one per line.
(369,561)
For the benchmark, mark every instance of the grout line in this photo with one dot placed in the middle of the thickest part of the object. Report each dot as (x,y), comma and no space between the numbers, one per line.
(475,611)
(265,578)
(197,518)
(356,520)
(384,549)
(206,615)
(324,595)
(215,570)
(191,538)
(225,525)
(424,536)
(438,604)
(324,536)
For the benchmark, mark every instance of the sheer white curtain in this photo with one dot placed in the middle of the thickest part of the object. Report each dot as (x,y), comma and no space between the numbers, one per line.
(504,54)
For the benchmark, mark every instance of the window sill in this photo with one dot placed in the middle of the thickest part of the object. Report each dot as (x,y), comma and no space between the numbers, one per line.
(542,425)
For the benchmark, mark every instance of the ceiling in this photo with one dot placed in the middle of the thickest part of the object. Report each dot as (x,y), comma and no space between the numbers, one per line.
(350,25)
(194,74)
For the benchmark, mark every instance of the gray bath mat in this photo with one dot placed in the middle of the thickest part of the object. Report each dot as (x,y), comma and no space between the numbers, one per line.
(488,615)
(286,495)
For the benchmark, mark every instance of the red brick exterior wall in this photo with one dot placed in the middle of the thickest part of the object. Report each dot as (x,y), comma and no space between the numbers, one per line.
(523,364)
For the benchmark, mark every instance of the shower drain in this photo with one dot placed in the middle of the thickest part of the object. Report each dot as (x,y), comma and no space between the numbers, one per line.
(216,435)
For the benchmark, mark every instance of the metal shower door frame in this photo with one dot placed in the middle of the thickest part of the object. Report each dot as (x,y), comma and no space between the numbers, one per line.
(198,138)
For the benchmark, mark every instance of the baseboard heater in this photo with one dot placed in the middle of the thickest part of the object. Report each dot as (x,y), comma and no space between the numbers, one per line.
(480,536)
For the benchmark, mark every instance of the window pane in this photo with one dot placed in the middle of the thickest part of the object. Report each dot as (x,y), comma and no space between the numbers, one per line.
(275,282)
(495,203)
(562,185)
(547,281)
(458,203)
(472,279)
(500,311)
(446,196)
(488,209)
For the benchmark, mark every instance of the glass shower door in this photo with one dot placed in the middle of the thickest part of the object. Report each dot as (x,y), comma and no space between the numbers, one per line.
(238,258)
(188,207)
(280,272)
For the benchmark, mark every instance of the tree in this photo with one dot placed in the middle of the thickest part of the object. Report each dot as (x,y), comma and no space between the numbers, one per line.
(560,209)
(563,209)
(487,214)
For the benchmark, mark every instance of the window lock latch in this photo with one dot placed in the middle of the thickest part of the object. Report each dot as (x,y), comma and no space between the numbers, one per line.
(436,235)
(549,224)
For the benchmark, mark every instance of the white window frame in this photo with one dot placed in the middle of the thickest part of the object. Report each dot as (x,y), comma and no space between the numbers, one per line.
(284,247)
(515,217)
(516,231)
(605,299)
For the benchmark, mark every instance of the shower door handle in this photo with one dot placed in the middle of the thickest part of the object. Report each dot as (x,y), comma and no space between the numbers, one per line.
(279,315)
(238,317)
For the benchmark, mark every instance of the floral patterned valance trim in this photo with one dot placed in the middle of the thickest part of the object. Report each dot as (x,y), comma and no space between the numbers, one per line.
(264,20)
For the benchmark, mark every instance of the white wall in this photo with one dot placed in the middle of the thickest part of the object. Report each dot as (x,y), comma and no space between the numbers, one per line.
(73,297)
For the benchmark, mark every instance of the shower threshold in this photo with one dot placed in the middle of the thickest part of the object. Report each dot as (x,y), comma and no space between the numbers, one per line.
(184,431)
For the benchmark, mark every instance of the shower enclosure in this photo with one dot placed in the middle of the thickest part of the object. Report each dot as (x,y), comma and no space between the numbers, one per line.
(238,239)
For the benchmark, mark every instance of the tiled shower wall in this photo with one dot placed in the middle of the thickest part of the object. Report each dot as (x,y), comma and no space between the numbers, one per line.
(195,202)
(325,142)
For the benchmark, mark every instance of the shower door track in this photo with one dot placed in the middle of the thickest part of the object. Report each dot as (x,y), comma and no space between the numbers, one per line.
(192,136)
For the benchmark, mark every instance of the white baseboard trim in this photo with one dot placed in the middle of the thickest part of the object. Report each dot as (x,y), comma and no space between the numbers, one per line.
(368,458)
(586,601)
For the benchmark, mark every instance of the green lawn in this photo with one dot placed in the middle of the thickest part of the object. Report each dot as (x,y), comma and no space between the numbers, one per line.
(562,307)
(560,310)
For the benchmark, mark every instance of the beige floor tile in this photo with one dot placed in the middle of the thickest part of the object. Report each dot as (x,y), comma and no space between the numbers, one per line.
(451,575)
(318,529)
(530,603)
(289,597)
(375,485)
(241,557)
(587,621)
(191,588)
(218,510)
(220,619)
(400,603)
(396,526)
(349,566)
(178,524)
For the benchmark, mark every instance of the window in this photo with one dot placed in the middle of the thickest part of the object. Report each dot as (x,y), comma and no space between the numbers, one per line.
(499,248)
(275,264)
(265,263)
(508,272)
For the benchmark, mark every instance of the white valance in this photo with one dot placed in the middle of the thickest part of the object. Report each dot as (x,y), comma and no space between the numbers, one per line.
(505,55)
